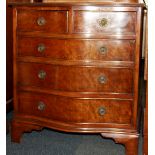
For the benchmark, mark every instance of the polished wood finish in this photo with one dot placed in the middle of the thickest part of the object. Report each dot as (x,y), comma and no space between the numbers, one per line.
(9,59)
(75,110)
(130,141)
(28,21)
(78,72)
(67,78)
(21,128)
(77,49)
(117,22)
(146,47)
(27,3)
(116,1)
(145,144)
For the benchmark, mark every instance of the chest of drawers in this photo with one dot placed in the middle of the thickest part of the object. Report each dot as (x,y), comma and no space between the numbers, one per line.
(76,69)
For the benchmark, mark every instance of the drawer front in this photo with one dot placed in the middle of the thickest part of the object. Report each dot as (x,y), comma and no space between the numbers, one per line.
(66,109)
(107,50)
(104,22)
(49,21)
(74,78)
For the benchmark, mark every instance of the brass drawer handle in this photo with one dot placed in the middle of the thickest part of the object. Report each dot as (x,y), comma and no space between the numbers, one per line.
(101,111)
(102,79)
(41,106)
(41,21)
(103,50)
(41,74)
(103,22)
(41,48)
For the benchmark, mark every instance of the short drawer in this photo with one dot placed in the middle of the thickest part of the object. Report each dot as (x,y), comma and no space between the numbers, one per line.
(42,20)
(67,109)
(104,22)
(76,49)
(76,78)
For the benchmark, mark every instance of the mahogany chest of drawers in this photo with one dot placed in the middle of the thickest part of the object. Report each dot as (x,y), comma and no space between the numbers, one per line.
(76,69)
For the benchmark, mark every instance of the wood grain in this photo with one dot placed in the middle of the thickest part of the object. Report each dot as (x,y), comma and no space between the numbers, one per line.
(77,49)
(66,109)
(27,21)
(81,90)
(117,22)
(76,78)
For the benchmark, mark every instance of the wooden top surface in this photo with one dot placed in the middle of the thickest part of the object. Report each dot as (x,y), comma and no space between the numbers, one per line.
(75,2)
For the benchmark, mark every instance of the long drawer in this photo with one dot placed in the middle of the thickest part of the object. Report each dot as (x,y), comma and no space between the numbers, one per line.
(76,78)
(77,49)
(66,109)
(54,21)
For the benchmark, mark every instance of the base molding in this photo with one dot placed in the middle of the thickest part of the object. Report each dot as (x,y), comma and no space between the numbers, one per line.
(129,140)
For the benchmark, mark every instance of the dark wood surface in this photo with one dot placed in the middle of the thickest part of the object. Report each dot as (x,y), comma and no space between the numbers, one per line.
(71,85)
(9,59)
(28,21)
(68,49)
(145,144)
(67,78)
(75,110)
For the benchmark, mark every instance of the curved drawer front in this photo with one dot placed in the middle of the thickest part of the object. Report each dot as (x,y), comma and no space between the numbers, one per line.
(50,21)
(75,78)
(66,109)
(104,22)
(66,49)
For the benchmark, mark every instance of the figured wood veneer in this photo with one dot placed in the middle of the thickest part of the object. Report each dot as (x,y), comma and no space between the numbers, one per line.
(117,22)
(27,21)
(67,78)
(69,109)
(85,77)
(77,49)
